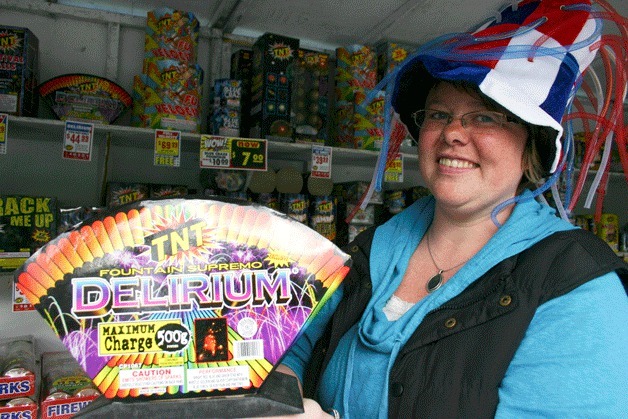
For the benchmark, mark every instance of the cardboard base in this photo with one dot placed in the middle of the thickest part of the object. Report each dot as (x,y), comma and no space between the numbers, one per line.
(278,395)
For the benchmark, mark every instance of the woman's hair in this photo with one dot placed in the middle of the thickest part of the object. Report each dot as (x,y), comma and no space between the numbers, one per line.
(534,168)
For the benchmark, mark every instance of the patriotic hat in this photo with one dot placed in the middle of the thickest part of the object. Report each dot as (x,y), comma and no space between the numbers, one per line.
(529,59)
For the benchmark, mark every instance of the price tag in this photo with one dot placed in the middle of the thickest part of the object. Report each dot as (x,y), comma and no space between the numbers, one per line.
(77,140)
(20,302)
(321,162)
(233,153)
(4,129)
(394,172)
(167,148)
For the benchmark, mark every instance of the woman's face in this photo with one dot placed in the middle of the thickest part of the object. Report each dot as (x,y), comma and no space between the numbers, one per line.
(469,172)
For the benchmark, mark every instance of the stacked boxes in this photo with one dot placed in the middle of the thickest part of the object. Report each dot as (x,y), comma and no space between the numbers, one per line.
(19,71)
(226,114)
(66,388)
(270,88)
(389,55)
(356,76)
(368,121)
(169,89)
(310,96)
(18,378)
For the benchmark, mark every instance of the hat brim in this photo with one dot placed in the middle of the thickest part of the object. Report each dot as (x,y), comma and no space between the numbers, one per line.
(414,82)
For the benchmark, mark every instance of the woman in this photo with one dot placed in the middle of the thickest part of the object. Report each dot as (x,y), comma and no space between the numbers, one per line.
(477,301)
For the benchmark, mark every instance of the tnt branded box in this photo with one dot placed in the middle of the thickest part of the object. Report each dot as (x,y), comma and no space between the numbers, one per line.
(19,71)
(309,109)
(167,300)
(121,193)
(167,191)
(270,89)
(26,224)
(355,75)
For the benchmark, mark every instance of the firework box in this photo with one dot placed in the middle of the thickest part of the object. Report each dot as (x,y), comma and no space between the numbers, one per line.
(26,223)
(61,375)
(121,193)
(184,299)
(368,121)
(242,69)
(356,67)
(390,54)
(167,191)
(310,96)
(18,352)
(172,95)
(85,97)
(18,394)
(171,34)
(270,88)
(19,71)
(226,108)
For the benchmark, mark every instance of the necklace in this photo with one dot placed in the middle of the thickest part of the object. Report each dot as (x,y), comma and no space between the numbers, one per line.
(436,281)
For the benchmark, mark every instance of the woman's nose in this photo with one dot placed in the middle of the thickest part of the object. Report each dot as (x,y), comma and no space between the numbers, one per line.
(455,132)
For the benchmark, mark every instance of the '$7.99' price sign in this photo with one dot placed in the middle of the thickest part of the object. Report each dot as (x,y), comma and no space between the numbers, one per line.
(233,153)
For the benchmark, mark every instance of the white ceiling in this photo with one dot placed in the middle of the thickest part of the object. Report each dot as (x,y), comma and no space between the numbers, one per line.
(328,23)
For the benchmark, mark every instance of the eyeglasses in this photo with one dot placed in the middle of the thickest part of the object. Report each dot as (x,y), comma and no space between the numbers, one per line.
(478,121)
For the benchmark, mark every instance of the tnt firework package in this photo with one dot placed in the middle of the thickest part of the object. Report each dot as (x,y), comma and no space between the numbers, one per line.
(173,298)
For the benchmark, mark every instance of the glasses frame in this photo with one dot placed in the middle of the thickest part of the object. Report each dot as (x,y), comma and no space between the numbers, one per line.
(500,117)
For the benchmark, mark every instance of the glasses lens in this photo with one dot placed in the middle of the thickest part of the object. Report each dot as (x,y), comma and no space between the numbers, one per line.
(430,118)
(483,120)
(479,121)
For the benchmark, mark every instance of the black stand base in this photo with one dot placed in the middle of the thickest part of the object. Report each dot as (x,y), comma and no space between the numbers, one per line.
(278,395)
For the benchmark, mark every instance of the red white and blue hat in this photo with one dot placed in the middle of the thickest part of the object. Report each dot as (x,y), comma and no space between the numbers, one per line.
(530,58)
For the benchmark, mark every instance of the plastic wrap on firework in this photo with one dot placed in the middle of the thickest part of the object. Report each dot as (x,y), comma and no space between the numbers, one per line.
(179,297)
(85,97)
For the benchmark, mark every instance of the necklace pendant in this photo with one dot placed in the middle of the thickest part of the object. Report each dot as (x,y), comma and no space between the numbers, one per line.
(435,282)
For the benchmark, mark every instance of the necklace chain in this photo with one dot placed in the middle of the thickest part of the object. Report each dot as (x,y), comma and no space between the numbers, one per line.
(436,281)
(429,250)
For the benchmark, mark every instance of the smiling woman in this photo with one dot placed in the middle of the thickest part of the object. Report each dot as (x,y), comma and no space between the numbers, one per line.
(482,160)
(460,305)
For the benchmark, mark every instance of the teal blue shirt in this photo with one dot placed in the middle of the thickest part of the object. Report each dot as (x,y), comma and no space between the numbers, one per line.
(571,363)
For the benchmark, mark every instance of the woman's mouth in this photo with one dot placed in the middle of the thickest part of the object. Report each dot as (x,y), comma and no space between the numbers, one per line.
(455,163)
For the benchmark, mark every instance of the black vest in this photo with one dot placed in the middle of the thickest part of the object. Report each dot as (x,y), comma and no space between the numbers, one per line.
(454,362)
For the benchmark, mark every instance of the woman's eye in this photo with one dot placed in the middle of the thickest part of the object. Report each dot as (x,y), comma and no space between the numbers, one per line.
(437,116)
(485,118)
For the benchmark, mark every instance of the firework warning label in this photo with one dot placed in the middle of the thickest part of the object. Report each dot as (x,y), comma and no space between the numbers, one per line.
(141,337)
(218,378)
(152,377)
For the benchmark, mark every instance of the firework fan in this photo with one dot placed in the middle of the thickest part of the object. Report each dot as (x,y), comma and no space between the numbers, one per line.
(177,298)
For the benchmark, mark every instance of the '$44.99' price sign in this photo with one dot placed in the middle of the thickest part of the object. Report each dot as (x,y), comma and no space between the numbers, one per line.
(233,153)
(77,140)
